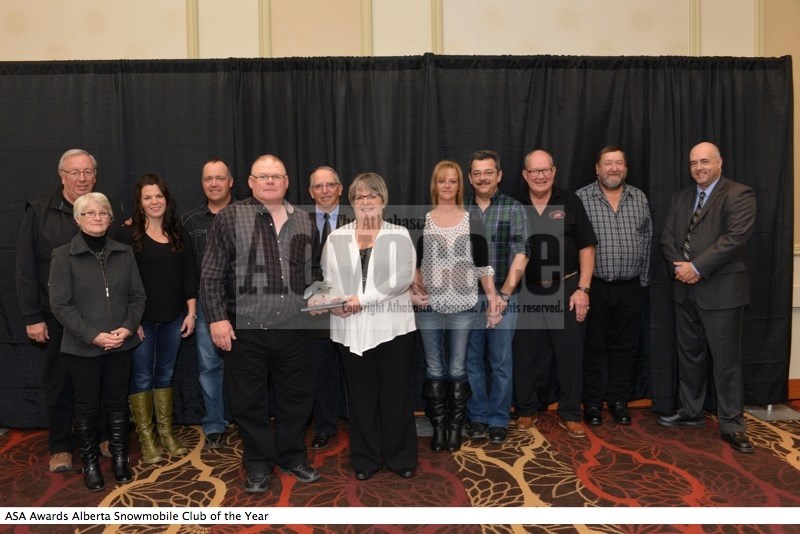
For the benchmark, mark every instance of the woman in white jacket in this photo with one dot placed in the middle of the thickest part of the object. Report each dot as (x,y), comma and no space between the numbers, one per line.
(370,265)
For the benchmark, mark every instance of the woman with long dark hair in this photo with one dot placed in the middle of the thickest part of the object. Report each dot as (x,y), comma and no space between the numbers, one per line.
(167,268)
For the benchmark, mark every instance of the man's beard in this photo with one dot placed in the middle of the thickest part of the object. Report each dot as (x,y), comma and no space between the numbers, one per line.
(611,183)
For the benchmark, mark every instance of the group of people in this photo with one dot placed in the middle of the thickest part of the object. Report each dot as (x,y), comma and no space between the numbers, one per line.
(284,299)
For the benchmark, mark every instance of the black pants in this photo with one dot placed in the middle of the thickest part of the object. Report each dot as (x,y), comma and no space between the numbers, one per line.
(325,361)
(532,365)
(58,391)
(257,359)
(100,381)
(611,330)
(382,425)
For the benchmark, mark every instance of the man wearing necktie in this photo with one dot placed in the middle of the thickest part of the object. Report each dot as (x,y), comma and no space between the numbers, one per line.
(325,188)
(704,241)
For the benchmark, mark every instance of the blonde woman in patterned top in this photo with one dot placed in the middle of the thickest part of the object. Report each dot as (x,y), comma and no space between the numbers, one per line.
(452,258)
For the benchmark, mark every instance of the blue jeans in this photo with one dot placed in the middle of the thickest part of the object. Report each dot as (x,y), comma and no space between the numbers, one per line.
(154,359)
(436,329)
(491,403)
(211,366)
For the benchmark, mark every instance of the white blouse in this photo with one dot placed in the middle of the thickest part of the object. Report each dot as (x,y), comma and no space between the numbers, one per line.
(448,269)
(386,298)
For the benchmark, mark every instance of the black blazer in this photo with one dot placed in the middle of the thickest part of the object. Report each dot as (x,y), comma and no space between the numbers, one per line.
(719,243)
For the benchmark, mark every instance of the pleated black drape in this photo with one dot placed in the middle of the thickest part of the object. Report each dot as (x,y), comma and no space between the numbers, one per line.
(398,117)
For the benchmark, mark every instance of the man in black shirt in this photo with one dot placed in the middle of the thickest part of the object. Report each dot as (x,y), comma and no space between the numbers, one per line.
(217,182)
(559,225)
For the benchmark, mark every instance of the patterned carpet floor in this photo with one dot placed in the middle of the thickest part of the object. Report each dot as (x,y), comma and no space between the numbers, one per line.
(642,465)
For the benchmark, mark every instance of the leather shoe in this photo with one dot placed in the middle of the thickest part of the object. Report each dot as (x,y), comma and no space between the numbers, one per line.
(256,483)
(320,440)
(405,473)
(739,442)
(497,434)
(573,428)
(619,411)
(592,416)
(365,474)
(677,419)
(213,440)
(302,472)
(476,431)
(525,422)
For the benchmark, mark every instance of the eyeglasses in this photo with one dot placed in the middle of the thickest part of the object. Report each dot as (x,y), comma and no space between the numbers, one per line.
(371,196)
(329,185)
(74,174)
(267,177)
(488,173)
(540,172)
(92,214)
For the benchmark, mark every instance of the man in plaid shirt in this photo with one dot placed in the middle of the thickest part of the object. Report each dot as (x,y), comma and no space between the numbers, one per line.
(506,232)
(620,215)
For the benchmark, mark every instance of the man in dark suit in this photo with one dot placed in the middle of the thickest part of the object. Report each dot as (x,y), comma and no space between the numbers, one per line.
(326,189)
(704,242)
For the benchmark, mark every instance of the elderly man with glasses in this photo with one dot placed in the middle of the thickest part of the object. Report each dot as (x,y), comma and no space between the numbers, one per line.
(48,223)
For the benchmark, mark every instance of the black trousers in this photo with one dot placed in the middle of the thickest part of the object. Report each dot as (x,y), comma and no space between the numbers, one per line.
(58,391)
(257,359)
(612,326)
(532,364)
(382,425)
(100,381)
(325,362)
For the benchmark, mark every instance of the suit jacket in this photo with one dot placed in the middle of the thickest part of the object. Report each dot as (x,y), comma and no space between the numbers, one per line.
(318,326)
(718,243)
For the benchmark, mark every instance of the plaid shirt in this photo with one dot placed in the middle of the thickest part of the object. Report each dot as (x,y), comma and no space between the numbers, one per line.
(506,232)
(251,271)
(624,237)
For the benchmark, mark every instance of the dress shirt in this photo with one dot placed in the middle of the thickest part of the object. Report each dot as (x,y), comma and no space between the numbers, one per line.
(624,237)
(251,271)
(506,232)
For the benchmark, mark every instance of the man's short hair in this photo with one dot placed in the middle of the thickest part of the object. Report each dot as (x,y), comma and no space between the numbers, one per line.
(324,168)
(481,155)
(218,160)
(611,148)
(75,152)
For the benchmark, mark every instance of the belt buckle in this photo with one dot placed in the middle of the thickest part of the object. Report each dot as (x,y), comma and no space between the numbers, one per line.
(546,283)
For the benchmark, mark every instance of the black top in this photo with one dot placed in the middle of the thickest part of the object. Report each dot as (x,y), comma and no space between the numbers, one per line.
(563,221)
(169,278)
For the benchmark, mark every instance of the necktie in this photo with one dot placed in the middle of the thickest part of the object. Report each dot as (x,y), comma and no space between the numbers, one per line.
(695,216)
(326,229)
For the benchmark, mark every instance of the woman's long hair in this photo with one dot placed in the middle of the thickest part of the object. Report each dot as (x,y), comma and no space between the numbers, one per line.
(171,225)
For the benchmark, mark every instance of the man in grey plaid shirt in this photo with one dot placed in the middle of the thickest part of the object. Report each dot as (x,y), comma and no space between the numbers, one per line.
(620,215)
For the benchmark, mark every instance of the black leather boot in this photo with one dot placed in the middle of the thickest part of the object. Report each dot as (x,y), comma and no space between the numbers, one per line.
(87,433)
(436,393)
(118,442)
(458,394)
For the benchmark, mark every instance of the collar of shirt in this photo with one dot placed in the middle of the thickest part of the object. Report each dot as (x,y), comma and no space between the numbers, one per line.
(333,215)
(708,191)
(598,192)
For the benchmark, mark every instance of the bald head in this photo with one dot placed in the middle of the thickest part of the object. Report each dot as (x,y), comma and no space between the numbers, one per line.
(705,164)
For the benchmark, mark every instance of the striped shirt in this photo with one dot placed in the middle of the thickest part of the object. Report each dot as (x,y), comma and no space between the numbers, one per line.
(624,237)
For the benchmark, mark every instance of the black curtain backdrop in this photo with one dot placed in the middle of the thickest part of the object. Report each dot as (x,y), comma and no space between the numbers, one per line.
(398,117)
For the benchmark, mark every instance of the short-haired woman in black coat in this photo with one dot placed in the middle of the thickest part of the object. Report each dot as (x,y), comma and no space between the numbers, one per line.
(97,295)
